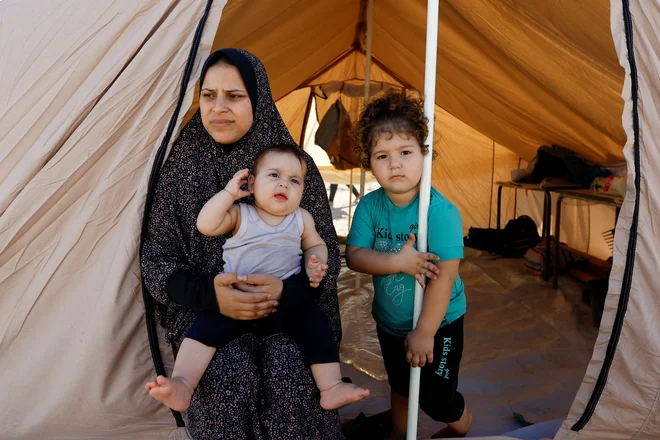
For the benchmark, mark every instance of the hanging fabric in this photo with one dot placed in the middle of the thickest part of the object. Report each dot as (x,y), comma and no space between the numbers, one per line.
(334,136)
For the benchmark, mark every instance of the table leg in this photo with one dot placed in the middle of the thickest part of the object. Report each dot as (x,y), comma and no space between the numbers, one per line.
(499,205)
(545,230)
(555,258)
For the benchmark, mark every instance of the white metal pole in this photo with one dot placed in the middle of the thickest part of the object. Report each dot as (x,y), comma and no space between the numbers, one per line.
(432,16)
(350,200)
(367,93)
(367,75)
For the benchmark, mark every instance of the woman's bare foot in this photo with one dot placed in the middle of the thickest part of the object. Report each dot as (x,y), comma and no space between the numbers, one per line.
(174,393)
(458,429)
(342,394)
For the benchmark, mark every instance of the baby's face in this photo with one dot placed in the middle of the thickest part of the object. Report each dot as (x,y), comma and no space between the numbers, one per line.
(278,184)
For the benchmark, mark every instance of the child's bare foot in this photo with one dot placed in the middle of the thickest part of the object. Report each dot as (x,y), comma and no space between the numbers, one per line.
(342,394)
(174,393)
(452,431)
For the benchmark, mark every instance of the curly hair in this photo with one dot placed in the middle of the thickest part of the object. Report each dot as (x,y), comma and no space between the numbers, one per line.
(392,113)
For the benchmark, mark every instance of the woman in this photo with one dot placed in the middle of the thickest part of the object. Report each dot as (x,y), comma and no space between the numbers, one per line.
(255,387)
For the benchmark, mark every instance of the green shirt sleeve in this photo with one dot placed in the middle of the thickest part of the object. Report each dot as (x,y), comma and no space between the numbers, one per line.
(363,231)
(445,231)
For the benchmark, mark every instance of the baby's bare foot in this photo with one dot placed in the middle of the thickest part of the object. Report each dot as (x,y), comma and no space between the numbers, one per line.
(342,394)
(175,392)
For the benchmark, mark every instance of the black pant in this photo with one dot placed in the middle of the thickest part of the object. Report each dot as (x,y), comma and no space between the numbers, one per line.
(333,191)
(438,395)
(306,324)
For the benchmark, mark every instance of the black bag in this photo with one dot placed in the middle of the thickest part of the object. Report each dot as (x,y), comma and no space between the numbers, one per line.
(561,163)
(518,236)
(483,239)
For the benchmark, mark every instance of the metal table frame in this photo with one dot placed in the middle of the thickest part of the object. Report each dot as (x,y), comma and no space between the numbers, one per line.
(546,188)
(578,194)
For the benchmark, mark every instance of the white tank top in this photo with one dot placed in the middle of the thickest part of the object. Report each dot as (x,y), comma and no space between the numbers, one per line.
(259,248)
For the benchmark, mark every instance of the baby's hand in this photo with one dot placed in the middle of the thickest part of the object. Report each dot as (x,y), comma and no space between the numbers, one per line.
(315,271)
(233,187)
(417,263)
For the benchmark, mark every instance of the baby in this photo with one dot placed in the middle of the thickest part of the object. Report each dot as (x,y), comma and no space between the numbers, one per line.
(271,237)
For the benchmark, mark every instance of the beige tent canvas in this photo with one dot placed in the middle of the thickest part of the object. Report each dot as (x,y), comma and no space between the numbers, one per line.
(88,91)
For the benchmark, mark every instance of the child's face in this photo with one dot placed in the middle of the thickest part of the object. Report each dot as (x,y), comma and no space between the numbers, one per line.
(278,184)
(397,163)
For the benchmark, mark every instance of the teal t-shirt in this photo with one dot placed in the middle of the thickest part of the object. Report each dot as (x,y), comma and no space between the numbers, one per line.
(381,226)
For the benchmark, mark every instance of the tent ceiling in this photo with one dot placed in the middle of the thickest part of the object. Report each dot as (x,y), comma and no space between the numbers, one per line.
(293,38)
(524,73)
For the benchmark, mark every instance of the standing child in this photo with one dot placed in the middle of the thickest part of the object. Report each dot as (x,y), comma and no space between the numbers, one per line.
(390,134)
(270,238)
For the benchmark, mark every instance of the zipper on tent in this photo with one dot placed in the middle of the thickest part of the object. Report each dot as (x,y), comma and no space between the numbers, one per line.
(632,243)
(153,180)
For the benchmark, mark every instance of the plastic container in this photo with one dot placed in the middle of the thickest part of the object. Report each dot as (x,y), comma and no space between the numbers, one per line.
(610,185)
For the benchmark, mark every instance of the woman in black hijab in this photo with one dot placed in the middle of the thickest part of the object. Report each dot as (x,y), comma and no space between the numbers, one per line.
(256,387)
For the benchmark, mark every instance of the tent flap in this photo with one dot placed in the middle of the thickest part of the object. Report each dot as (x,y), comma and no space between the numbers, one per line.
(90,96)
(619,399)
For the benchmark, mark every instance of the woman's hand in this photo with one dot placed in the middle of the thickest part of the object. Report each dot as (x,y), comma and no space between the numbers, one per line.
(238,303)
(415,263)
(262,284)
(419,348)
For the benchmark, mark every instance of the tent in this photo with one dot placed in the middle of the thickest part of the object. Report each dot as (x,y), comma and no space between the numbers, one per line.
(93,92)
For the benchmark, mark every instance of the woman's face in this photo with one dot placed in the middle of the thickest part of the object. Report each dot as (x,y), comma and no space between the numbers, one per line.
(225,104)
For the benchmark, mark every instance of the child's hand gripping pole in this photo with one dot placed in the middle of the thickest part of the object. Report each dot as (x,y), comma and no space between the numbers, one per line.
(417,264)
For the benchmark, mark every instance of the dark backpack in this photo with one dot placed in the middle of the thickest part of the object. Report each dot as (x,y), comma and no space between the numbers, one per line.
(484,239)
(519,235)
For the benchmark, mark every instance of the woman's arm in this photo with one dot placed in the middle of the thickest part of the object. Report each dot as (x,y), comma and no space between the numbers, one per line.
(217,294)
(195,292)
